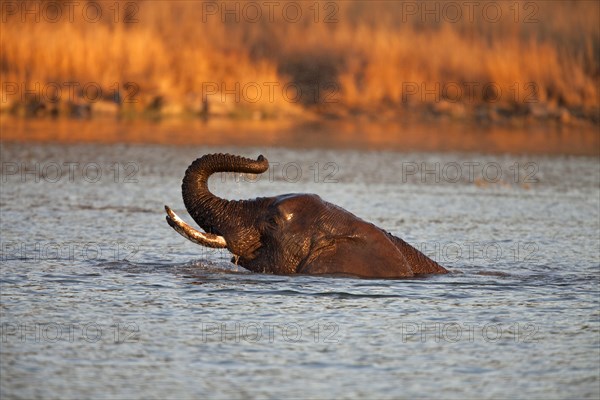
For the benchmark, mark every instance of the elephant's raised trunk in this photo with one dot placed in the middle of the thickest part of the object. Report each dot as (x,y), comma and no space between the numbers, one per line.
(213,214)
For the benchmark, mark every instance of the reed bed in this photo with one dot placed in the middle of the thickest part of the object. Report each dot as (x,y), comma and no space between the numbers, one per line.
(337,58)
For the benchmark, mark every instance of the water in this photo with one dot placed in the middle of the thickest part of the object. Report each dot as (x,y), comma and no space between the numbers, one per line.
(101,298)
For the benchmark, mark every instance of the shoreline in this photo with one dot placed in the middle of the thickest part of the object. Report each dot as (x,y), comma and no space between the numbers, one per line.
(158,109)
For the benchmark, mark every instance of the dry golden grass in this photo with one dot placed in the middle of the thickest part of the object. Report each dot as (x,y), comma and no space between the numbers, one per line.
(372,56)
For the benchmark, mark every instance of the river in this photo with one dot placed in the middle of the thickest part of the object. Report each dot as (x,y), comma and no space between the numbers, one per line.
(102,299)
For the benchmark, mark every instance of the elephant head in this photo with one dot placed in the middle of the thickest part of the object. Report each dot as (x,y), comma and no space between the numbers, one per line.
(292,233)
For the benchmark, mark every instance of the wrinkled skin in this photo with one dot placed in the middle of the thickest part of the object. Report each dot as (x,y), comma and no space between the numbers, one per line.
(291,233)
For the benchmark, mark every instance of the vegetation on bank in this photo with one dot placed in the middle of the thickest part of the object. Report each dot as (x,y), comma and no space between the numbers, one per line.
(488,60)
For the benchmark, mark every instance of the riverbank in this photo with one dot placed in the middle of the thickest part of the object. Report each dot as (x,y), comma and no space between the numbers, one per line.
(497,61)
(158,108)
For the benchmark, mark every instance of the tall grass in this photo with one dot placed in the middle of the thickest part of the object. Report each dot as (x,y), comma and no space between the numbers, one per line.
(351,57)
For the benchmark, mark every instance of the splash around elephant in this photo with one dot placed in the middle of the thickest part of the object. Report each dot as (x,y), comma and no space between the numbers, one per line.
(291,233)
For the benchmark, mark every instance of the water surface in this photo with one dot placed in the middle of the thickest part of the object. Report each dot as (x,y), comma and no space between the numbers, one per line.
(101,298)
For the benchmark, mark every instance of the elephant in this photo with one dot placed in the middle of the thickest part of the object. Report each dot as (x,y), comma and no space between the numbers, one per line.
(292,233)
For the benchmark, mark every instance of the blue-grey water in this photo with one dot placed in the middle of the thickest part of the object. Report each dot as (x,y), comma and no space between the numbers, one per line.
(100,298)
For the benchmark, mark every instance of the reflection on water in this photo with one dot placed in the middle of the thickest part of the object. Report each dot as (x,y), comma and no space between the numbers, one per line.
(355,134)
(101,298)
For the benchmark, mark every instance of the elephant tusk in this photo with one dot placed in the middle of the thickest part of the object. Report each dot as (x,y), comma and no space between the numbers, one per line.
(194,235)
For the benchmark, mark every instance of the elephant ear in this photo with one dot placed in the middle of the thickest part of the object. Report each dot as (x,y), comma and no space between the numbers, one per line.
(376,257)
